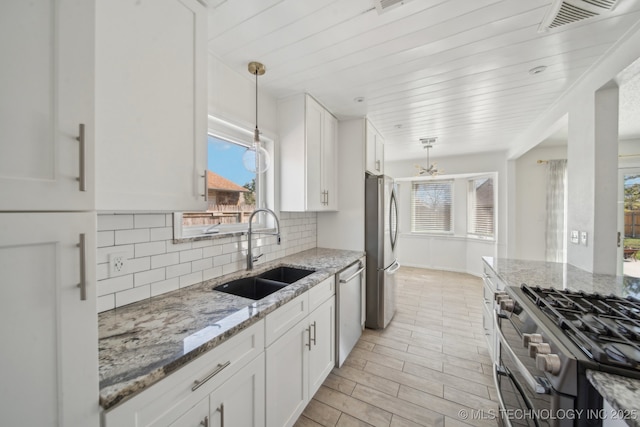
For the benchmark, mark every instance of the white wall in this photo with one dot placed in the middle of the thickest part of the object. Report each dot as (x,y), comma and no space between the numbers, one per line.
(456,253)
(530,202)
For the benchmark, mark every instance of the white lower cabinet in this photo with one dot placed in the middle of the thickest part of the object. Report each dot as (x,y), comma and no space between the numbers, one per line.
(48,322)
(183,397)
(239,383)
(240,401)
(301,358)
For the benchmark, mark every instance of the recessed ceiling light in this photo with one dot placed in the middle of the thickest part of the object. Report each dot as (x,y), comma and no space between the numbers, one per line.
(359,99)
(537,70)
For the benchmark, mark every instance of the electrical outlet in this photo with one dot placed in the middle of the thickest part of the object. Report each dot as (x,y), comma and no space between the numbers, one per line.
(583,237)
(117,263)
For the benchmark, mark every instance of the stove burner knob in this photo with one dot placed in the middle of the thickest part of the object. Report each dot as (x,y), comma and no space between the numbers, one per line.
(548,363)
(530,338)
(500,295)
(506,304)
(536,348)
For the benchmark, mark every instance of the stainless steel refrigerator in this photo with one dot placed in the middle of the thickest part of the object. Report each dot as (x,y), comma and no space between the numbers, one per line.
(381,236)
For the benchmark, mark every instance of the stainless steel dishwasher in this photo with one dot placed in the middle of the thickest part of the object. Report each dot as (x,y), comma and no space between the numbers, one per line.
(350,297)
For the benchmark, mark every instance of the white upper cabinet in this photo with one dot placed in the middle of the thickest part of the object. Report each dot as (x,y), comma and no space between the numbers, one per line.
(151,106)
(374,150)
(47,87)
(308,153)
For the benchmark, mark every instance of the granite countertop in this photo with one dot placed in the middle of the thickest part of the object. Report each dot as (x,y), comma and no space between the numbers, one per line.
(141,343)
(622,393)
(515,272)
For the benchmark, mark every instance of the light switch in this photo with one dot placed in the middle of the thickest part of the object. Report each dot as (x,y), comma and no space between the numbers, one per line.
(574,236)
(583,237)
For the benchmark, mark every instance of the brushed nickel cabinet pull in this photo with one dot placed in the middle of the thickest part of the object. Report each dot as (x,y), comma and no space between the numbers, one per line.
(314,332)
(308,344)
(221,410)
(198,383)
(206,186)
(83,268)
(82,178)
(205,422)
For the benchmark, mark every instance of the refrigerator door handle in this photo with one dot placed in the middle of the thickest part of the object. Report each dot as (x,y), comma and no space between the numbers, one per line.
(393,267)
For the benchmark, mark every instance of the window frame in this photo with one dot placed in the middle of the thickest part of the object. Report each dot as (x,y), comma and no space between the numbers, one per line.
(265,185)
(451,231)
(471,210)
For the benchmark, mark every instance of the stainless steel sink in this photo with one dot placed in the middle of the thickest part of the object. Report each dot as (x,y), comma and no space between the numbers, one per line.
(286,274)
(262,285)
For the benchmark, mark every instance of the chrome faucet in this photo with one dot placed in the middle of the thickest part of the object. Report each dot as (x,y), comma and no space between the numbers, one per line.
(250,258)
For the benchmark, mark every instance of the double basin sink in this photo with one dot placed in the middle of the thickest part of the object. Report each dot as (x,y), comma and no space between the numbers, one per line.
(264,284)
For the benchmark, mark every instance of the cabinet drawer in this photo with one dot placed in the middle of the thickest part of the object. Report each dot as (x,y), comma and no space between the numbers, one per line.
(173,396)
(285,317)
(321,292)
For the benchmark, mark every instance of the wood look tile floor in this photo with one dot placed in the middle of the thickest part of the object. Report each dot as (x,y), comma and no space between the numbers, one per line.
(427,368)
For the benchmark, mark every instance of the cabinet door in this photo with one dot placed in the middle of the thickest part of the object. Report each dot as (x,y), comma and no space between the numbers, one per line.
(151,107)
(330,161)
(374,151)
(314,126)
(287,376)
(49,357)
(198,416)
(47,87)
(323,350)
(240,400)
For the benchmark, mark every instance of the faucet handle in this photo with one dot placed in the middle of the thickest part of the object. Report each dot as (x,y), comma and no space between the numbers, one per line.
(255,258)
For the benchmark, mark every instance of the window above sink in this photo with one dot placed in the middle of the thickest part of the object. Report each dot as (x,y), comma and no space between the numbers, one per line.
(233,192)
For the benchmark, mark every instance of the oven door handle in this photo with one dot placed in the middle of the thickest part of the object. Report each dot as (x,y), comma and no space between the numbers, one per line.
(534,385)
(506,421)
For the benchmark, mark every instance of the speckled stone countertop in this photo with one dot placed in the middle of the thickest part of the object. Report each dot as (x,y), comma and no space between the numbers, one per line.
(515,272)
(623,394)
(141,343)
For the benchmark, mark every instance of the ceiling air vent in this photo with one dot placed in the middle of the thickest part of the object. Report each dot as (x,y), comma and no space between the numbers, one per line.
(384,5)
(564,12)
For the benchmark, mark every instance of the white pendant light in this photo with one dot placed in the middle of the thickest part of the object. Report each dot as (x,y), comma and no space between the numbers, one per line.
(256,159)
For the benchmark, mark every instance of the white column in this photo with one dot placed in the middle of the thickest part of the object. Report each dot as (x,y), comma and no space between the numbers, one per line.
(593,177)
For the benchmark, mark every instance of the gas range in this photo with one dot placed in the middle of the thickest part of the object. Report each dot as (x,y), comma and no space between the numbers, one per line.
(606,328)
(548,339)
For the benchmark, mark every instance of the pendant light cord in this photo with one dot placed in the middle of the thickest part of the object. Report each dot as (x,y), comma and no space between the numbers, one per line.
(256,135)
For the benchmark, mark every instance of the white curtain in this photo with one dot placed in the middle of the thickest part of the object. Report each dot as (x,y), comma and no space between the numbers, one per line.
(556,233)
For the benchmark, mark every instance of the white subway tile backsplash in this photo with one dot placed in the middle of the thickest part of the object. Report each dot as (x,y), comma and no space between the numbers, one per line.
(156,265)
(190,255)
(124,237)
(149,276)
(115,222)
(150,248)
(164,233)
(114,285)
(133,295)
(149,220)
(165,259)
(202,264)
(190,279)
(105,238)
(164,286)
(106,302)
(178,270)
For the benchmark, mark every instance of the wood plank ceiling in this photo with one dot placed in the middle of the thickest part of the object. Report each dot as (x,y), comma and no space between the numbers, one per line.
(457,70)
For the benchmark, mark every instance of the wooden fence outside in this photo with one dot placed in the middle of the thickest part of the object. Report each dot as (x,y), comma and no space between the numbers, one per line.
(220,214)
(632,223)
